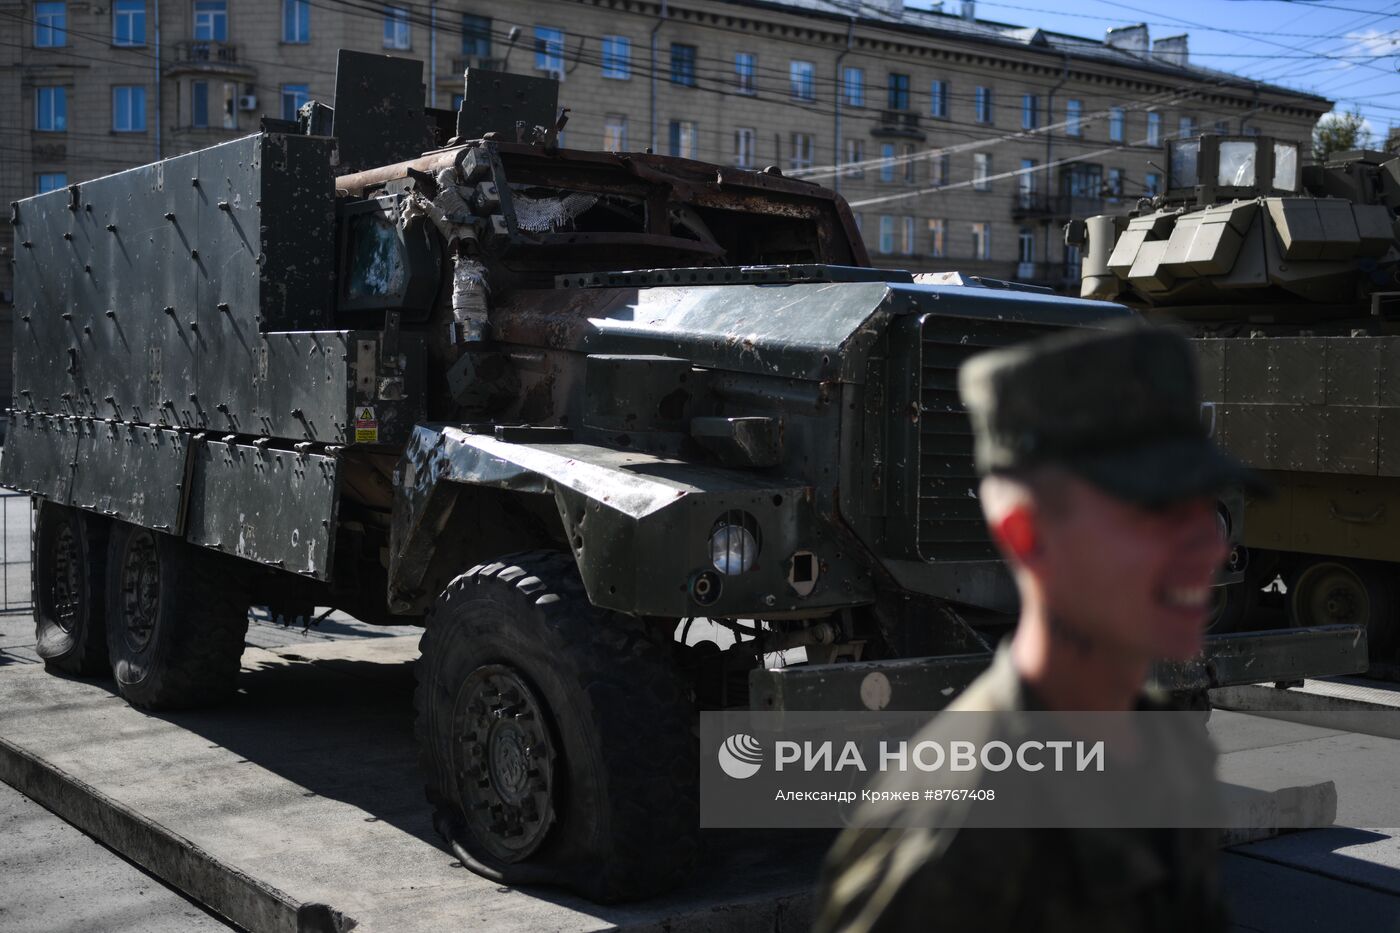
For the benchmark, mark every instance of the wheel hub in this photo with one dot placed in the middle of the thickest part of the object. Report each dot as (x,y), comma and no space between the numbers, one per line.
(140,577)
(1333,595)
(505,764)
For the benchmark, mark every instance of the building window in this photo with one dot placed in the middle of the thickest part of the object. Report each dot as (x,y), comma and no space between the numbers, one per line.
(1115,125)
(293,96)
(802,151)
(129,109)
(457,100)
(887,162)
(1153,184)
(906,239)
(1030,111)
(897,92)
(1251,131)
(199,104)
(296,21)
(981,171)
(983,103)
(396,34)
(1026,184)
(129,22)
(211,20)
(51,109)
(682,64)
(617,57)
(1222,127)
(744,147)
(1083,180)
(684,139)
(855,155)
(909,166)
(1071,262)
(230,105)
(936,233)
(476,36)
(1154,128)
(938,99)
(549,49)
(50,25)
(853,87)
(743,73)
(940,168)
(801,76)
(50,181)
(615,133)
(1115,184)
(1186,127)
(981,240)
(1025,249)
(1073,109)
(886,235)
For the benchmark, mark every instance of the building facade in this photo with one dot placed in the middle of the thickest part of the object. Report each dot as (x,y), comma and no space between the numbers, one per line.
(960,143)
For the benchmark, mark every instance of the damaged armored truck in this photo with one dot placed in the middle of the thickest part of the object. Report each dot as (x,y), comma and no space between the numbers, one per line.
(551,405)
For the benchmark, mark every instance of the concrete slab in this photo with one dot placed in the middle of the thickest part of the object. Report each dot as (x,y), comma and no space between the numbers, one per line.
(1265,897)
(299,806)
(55,879)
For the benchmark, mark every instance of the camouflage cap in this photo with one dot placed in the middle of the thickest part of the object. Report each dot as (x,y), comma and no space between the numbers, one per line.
(1120,407)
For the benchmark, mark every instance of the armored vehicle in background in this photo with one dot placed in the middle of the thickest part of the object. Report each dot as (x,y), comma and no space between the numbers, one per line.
(401,362)
(1287,274)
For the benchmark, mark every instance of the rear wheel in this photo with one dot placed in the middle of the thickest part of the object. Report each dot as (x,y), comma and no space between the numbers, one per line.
(1330,592)
(556,738)
(177,618)
(70,554)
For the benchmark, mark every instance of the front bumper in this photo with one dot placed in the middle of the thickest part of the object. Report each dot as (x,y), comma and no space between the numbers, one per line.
(931,683)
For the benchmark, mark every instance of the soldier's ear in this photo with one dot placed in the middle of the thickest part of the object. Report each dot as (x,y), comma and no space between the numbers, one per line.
(1016,534)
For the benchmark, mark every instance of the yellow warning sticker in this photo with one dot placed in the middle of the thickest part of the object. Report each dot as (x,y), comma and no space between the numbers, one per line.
(366,426)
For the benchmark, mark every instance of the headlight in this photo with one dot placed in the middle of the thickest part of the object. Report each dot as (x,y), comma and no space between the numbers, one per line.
(733,548)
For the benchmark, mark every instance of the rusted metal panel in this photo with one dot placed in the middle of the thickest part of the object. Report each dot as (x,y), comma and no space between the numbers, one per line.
(274,507)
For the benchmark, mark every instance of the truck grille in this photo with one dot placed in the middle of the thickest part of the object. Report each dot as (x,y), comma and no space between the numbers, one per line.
(950,524)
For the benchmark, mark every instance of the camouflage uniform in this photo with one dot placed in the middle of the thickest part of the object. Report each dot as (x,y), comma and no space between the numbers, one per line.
(1122,411)
(1001,879)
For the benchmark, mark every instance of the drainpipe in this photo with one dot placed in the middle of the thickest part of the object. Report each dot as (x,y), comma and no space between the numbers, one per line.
(660,21)
(155,9)
(836,107)
(1050,154)
(432,53)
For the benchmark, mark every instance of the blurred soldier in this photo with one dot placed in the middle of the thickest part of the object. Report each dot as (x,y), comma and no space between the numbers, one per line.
(1098,487)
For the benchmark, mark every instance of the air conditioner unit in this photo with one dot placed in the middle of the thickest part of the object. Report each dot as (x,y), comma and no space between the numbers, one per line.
(248,102)
(556,73)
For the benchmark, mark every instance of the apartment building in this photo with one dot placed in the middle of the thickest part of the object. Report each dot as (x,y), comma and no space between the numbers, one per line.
(959,142)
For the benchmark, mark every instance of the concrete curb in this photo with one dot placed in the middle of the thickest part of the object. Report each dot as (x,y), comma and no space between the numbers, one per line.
(221,887)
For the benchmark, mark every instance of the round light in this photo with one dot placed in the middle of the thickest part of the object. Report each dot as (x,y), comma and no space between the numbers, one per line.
(733,549)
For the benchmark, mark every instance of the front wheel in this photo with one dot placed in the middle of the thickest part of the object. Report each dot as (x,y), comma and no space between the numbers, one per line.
(556,738)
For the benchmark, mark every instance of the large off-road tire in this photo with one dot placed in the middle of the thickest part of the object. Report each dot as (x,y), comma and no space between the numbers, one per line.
(556,738)
(70,556)
(177,616)
(1331,592)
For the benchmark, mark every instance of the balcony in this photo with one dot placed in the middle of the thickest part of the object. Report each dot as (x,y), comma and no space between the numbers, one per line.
(207,55)
(1033,205)
(902,124)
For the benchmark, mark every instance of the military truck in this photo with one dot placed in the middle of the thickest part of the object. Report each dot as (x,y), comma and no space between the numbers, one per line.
(552,405)
(1287,274)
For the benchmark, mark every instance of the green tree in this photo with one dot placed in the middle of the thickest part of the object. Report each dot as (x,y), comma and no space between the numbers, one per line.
(1338,132)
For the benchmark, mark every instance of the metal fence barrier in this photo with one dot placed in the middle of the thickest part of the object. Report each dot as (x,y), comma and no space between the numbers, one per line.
(16,526)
